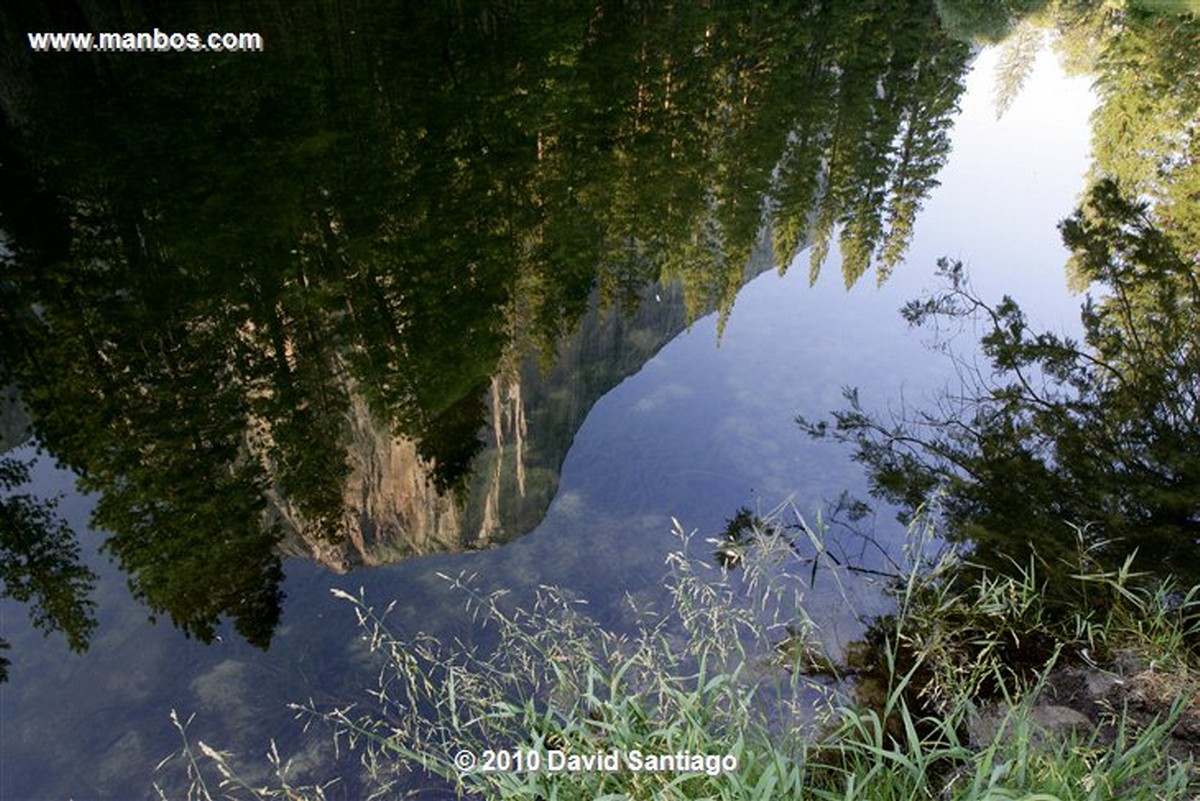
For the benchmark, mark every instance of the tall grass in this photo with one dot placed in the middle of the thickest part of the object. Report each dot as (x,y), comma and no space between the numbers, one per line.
(722,671)
(697,677)
(954,643)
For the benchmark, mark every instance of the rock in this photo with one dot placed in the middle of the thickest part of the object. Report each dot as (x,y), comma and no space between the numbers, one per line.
(1049,721)
(1099,685)
(1059,720)
(1128,663)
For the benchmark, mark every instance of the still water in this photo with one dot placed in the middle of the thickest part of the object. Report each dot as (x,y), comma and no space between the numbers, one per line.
(659,400)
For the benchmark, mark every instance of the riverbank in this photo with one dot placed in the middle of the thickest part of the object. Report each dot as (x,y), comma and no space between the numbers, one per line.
(976,687)
(991,686)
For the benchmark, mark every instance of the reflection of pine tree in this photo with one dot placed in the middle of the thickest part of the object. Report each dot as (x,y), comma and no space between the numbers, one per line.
(878,96)
(989,22)
(1144,66)
(1146,131)
(1017,56)
(401,215)
(927,106)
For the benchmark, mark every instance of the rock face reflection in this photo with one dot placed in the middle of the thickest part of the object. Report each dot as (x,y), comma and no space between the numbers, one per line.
(393,507)
(349,298)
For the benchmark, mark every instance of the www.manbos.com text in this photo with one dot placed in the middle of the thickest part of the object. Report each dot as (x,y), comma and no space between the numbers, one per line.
(155,41)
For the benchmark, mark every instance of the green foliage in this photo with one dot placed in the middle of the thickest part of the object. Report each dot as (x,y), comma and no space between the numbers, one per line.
(1142,61)
(923,725)
(1017,56)
(878,134)
(1104,432)
(39,563)
(1169,6)
(693,678)
(551,678)
(399,216)
(1144,132)
(985,21)
(559,681)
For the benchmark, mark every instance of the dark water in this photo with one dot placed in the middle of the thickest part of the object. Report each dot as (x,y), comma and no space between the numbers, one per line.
(459,290)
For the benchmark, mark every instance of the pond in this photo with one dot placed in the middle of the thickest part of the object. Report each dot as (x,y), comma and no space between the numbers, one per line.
(414,293)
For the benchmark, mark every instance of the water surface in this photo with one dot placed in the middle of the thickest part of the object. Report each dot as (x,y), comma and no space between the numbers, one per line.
(530,391)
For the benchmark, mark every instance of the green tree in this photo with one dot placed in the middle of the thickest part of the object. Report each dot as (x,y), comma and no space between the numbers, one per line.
(399,204)
(39,563)
(986,21)
(1104,433)
(883,85)
(1018,52)
(1144,133)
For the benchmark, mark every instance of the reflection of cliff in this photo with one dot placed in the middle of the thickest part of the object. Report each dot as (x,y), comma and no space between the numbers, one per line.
(536,415)
(344,253)
(393,508)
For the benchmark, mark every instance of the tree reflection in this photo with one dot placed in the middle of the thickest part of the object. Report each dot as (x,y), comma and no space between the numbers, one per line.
(1103,434)
(396,210)
(39,563)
